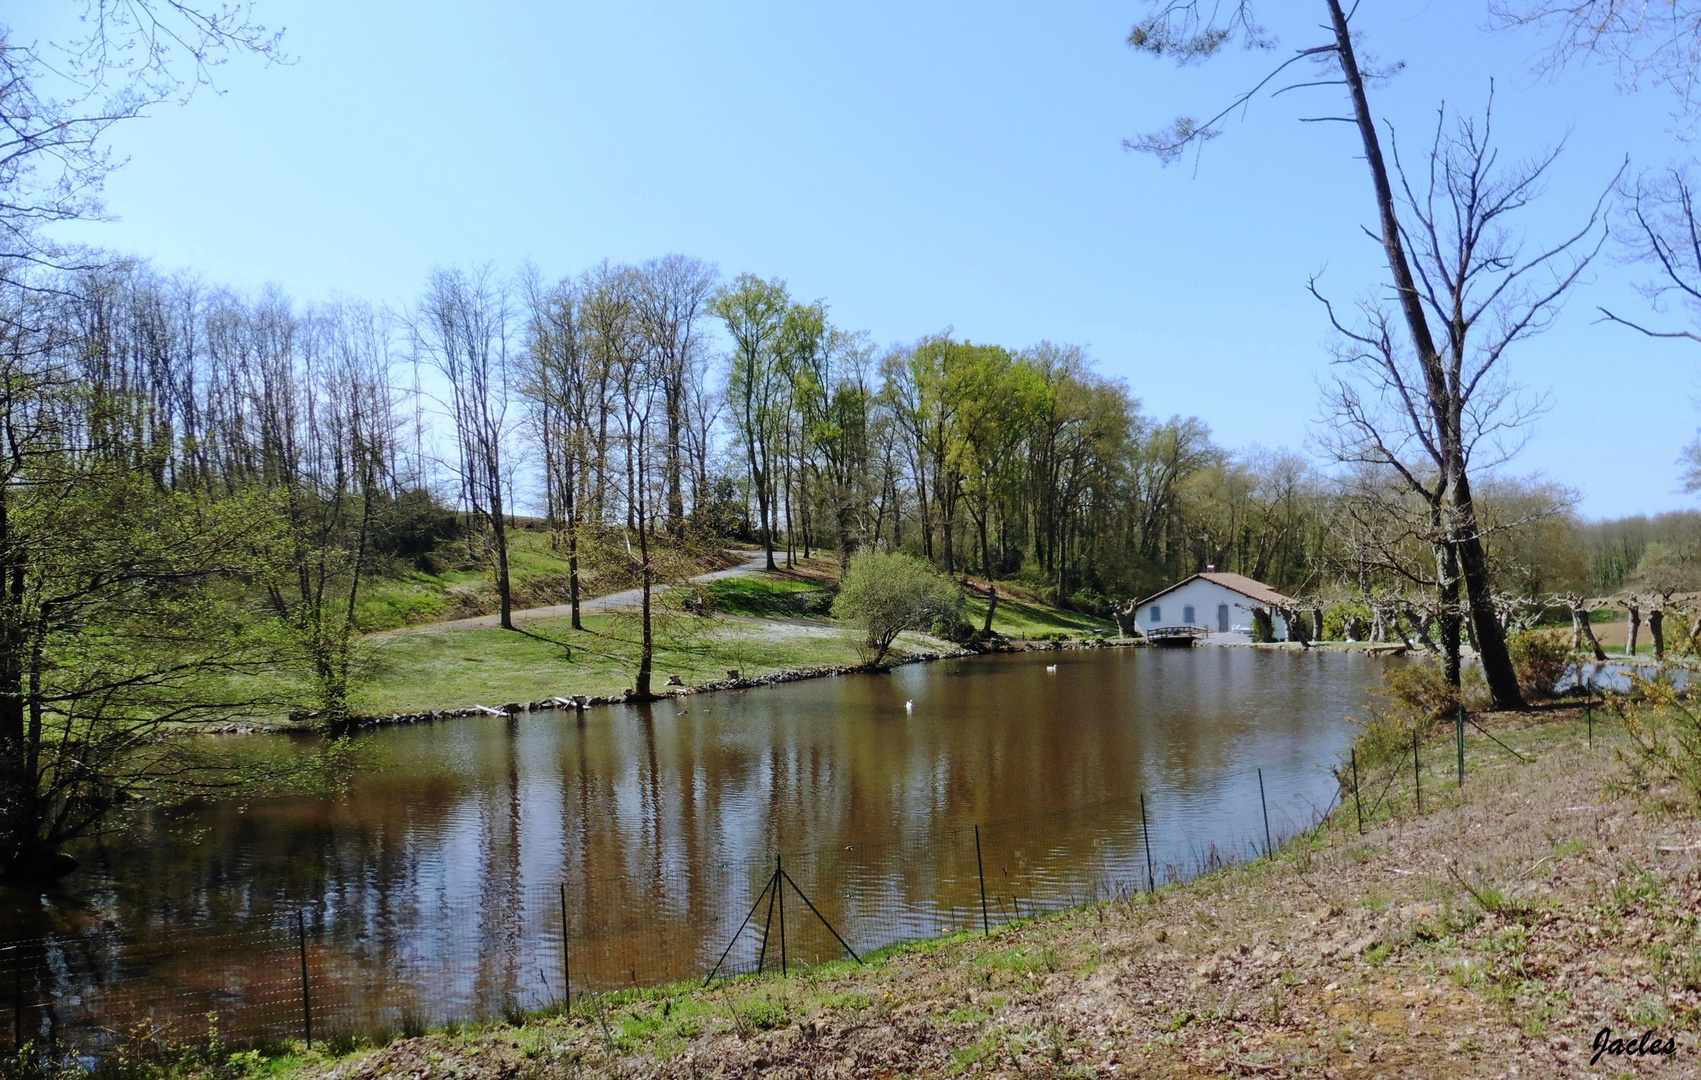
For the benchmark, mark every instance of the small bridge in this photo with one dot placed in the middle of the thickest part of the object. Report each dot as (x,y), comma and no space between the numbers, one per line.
(1176,637)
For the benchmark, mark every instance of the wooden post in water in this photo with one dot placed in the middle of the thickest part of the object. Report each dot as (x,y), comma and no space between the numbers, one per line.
(306,997)
(1266,807)
(1146,835)
(980,869)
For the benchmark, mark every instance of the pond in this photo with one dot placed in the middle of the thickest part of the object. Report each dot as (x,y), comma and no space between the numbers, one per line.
(936,798)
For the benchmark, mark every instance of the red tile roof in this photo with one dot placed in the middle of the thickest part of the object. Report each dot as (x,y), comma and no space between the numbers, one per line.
(1240,583)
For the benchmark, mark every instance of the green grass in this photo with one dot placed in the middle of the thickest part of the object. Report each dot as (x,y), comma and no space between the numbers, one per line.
(768,595)
(449,668)
(412,596)
(1015,619)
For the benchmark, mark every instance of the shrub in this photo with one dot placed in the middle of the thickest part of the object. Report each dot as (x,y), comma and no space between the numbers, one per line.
(888,593)
(1663,760)
(1414,696)
(1090,601)
(1541,658)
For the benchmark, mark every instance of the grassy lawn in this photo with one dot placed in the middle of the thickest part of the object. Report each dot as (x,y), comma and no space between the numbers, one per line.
(453,668)
(771,595)
(1016,619)
(763,623)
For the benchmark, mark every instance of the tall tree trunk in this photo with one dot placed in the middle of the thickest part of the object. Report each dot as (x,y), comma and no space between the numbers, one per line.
(1657,631)
(1442,399)
(1634,619)
(647,650)
(675,394)
(1490,637)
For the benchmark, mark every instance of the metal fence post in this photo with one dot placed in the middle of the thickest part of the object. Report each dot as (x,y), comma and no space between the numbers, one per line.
(1266,807)
(1461,741)
(306,998)
(1589,715)
(980,869)
(1358,804)
(1417,775)
(566,953)
(779,875)
(1146,835)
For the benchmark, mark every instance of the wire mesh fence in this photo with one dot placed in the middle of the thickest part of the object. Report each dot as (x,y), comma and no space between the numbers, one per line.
(433,955)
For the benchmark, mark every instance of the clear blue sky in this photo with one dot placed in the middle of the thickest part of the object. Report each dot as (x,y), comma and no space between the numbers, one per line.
(917,166)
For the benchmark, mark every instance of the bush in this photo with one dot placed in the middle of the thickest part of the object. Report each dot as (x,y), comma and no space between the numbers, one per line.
(1541,658)
(1422,688)
(1663,760)
(1414,697)
(888,593)
(1091,602)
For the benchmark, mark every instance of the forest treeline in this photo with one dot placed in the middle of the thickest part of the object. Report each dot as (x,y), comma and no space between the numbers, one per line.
(659,402)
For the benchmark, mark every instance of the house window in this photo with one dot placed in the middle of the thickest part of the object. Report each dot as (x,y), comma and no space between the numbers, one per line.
(1157,613)
(1187,614)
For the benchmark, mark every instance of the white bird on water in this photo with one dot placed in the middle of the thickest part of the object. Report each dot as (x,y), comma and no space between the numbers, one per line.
(909,706)
(1051,668)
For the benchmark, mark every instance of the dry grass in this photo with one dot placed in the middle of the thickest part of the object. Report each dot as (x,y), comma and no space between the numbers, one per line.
(1492,935)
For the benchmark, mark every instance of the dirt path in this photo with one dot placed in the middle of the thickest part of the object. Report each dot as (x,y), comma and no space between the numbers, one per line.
(1493,935)
(612,602)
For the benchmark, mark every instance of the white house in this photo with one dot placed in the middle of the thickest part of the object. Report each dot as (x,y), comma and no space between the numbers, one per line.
(1218,602)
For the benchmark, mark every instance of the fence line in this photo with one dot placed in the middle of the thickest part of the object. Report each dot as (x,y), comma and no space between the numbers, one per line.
(326,971)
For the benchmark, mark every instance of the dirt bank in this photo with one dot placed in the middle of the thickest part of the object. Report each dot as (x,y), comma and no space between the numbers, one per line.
(1493,935)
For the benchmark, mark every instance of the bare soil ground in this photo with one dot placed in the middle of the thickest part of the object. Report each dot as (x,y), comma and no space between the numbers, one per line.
(1494,934)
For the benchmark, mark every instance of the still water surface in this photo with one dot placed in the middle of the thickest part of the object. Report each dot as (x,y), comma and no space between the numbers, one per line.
(433,888)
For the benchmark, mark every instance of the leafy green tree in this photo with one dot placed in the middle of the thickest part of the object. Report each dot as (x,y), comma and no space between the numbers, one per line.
(119,631)
(754,313)
(890,592)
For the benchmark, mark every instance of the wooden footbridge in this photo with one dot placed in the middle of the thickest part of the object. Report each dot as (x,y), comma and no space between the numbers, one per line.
(1176,637)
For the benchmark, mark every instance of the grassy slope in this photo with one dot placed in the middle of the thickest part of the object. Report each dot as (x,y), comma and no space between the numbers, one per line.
(1344,955)
(766,623)
(450,668)
(537,573)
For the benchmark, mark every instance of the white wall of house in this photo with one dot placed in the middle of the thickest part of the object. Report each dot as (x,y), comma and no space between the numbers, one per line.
(1207,604)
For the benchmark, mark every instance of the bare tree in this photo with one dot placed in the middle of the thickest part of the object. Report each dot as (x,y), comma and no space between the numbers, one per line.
(462,329)
(1469,271)
(640,377)
(1432,424)
(556,385)
(672,296)
(754,313)
(58,104)
(1649,41)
